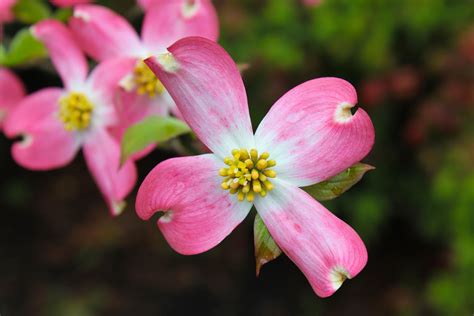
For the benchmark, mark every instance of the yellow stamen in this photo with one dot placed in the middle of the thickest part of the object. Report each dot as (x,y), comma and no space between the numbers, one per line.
(223,172)
(247,173)
(145,81)
(270,173)
(75,111)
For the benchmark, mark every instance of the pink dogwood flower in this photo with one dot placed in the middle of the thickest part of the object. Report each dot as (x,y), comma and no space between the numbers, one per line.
(309,135)
(11,92)
(312,3)
(6,14)
(104,34)
(56,122)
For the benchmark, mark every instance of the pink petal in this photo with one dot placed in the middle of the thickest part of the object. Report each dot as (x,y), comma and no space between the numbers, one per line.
(46,144)
(105,78)
(69,3)
(12,92)
(206,85)
(103,34)
(324,248)
(168,21)
(66,56)
(311,133)
(198,214)
(145,4)
(6,14)
(102,154)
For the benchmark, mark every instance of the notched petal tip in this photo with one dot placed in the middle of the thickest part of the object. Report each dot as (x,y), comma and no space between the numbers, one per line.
(165,61)
(26,140)
(190,8)
(167,217)
(34,32)
(118,207)
(82,15)
(337,276)
(343,112)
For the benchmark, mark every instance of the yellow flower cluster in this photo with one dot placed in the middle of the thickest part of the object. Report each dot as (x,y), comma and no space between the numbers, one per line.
(248,174)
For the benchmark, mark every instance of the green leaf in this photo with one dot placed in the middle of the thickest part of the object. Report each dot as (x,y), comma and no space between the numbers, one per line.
(63,15)
(151,130)
(23,48)
(266,249)
(332,188)
(31,11)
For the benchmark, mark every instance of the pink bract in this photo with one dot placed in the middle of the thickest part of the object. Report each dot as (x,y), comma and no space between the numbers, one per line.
(47,144)
(310,132)
(6,14)
(12,92)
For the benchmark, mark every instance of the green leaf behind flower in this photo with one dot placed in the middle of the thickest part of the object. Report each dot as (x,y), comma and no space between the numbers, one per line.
(23,48)
(332,188)
(151,130)
(31,11)
(266,249)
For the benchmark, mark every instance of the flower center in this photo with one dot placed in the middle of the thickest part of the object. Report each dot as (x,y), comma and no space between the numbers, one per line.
(248,174)
(75,111)
(145,81)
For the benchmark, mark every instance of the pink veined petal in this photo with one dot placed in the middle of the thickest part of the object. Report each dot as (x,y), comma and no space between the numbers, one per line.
(206,85)
(168,21)
(102,154)
(324,248)
(46,144)
(66,56)
(312,134)
(12,92)
(104,34)
(69,3)
(198,214)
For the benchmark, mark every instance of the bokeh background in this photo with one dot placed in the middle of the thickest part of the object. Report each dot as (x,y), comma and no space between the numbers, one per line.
(412,62)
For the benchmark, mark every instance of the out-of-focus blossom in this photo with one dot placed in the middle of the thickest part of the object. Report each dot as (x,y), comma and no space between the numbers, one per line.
(6,14)
(312,3)
(374,91)
(56,122)
(308,136)
(104,34)
(11,92)
(69,3)
(404,82)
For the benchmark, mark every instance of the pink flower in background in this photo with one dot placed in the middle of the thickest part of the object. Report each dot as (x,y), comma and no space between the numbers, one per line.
(312,3)
(308,136)
(56,122)
(6,14)
(11,92)
(69,3)
(103,34)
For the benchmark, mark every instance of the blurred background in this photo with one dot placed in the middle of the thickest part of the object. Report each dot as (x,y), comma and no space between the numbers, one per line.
(412,63)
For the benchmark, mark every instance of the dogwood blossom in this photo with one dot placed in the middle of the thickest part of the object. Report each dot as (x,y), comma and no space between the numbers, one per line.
(56,122)
(11,92)
(104,34)
(309,135)
(6,14)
